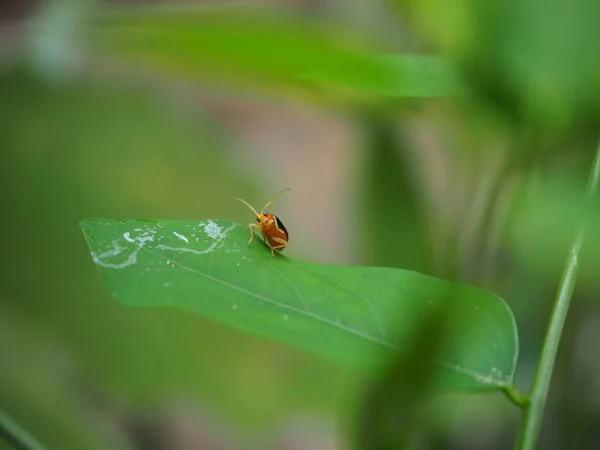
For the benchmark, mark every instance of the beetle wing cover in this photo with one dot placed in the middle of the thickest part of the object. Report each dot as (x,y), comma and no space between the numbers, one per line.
(282,227)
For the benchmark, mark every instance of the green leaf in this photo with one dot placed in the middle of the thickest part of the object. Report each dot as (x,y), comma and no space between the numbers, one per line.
(274,50)
(356,316)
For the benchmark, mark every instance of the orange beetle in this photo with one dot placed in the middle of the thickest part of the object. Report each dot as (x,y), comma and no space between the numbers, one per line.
(272,229)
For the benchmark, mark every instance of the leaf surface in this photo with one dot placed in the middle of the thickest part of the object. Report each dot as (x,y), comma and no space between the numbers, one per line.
(356,316)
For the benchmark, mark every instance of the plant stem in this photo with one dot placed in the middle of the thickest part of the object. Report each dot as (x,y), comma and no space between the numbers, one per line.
(516,396)
(16,436)
(534,411)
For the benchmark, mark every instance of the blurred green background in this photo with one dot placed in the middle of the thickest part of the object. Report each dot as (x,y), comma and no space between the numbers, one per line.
(122,109)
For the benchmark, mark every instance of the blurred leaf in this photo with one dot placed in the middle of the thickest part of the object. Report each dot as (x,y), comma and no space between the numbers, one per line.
(396,230)
(406,75)
(358,316)
(393,414)
(47,393)
(545,225)
(537,60)
(277,51)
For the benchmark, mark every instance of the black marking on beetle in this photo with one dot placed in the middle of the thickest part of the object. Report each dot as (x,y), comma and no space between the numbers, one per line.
(282,227)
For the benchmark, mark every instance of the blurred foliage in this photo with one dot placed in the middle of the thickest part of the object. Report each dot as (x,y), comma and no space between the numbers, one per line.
(320,61)
(95,148)
(546,225)
(42,387)
(535,60)
(395,225)
(393,413)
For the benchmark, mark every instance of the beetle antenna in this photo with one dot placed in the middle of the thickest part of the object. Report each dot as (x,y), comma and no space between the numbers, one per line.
(247,204)
(273,198)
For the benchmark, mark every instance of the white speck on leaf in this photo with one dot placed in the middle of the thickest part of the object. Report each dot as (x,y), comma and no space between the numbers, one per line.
(214,231)
(126,255)
(102,259)
(487,380)
(181,236)
(188,250)
(116,250)
(285,317)
(234,307)
(211,229)
(495,372)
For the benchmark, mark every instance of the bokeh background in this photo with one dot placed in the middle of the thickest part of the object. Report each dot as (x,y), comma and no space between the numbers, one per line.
(153,117)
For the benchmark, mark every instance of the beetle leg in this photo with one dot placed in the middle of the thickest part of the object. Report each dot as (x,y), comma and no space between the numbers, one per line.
(282,242)
(251,227)
(276,247)
(281,246)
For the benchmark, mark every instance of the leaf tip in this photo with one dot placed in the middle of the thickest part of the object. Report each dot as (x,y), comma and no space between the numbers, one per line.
(84,224)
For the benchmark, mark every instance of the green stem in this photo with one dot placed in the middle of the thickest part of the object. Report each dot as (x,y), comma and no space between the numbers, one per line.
(534,412)
(516,396)
(16,436)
